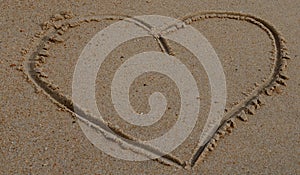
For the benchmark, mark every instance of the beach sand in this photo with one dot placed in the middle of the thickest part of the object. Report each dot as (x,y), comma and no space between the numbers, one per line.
(40,135)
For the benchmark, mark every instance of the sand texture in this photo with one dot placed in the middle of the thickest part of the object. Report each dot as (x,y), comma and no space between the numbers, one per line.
(41,127)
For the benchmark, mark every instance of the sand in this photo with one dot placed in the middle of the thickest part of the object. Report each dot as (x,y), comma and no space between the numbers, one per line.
(260,130)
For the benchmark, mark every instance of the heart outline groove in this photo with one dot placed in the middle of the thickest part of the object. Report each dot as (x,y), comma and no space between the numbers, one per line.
(53,30)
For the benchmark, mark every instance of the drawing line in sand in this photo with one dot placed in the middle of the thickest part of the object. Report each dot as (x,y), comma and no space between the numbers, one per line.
(53,30)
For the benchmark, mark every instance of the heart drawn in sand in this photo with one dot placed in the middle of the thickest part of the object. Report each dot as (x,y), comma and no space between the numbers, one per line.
(52,32)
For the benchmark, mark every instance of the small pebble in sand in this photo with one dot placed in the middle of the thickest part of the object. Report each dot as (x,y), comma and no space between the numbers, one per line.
(255,103)
(37,90)
(283,74)
(42,59)
(281,82)
(43,75)
(57,39)
(285,55)
(53,86)
(188,21)
(283,64)
(74,24)
(227,125)
(269,92)
(232,123)
(210,147)
(261,101)
(46,25)
(277,89)
(38,34)
(251,109)
(217,137)
(64,27)
(229,130)
(57,25)
(20,68)
(46,46)
(57,17)
(60,32)
(180,25)
(242,116)
(67,14)
(221,132)
(12,65)
(24,51)
(44,53)
(38,70)
(213,142)
(37,64)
